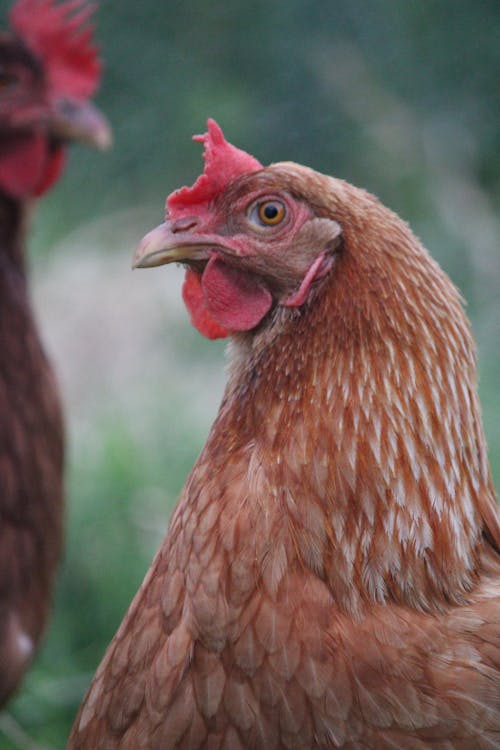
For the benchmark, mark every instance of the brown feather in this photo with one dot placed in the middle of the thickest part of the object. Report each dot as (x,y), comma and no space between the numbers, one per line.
(41,110)
(31,458)
(327,580)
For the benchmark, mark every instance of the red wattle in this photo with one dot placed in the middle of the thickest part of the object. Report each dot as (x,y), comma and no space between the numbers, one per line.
(56,160)
(192,294)
(234,298)
(22,162)
(28,165)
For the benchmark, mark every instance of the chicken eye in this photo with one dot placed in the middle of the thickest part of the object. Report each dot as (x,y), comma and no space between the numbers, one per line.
(268,213)
(271,212)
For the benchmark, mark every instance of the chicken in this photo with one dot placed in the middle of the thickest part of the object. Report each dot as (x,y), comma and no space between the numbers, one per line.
(48,70)
(330,575)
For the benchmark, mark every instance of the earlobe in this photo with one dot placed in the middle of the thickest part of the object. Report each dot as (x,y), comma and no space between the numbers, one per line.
(320,232)
(316,271)
(325,233)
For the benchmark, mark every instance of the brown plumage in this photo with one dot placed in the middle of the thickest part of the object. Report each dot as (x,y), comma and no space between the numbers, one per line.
(330,576)
(44,90)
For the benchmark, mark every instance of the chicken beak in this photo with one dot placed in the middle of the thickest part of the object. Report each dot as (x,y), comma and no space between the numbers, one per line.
(80,121)
(162,246)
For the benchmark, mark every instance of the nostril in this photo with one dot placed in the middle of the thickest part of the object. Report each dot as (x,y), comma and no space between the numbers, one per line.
(182,225)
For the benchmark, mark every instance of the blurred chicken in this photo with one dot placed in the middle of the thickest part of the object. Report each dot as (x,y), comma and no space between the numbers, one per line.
(48,70)
(330,576)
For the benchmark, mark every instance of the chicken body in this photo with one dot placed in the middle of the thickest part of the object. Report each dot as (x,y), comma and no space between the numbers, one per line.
(31,464)
(330,576)
(37,116)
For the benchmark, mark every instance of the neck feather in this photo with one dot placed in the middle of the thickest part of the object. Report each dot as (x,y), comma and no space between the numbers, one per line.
(359,426)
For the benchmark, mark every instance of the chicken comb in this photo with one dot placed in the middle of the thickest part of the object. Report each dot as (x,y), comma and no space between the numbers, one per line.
(223,163)
(60,36)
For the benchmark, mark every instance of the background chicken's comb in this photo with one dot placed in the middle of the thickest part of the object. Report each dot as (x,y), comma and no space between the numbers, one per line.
(223,163)
(60,36)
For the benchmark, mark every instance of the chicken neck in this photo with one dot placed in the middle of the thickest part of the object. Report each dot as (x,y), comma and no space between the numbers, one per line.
(358,454)
(30,435)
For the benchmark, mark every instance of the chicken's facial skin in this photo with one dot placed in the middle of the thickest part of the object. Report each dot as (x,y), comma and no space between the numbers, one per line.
(247,267)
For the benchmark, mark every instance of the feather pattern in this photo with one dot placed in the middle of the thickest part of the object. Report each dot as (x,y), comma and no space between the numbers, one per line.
(31,458)
(330,576)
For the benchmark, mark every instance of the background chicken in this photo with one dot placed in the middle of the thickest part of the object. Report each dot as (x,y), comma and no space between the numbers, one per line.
(330,574)
(48,70)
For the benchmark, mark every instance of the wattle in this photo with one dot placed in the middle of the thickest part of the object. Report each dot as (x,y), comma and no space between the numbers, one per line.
(192,294)
(234,298)
(54,164)
(29,165)
(224,299)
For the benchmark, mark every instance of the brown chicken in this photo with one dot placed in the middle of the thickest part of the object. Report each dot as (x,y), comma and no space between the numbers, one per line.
(48,70)
(330,576)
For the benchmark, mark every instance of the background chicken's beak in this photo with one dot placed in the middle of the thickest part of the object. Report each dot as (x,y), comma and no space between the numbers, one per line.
(83,122)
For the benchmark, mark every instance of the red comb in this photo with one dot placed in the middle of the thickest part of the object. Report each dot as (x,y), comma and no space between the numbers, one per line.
(223,163)
(61,37)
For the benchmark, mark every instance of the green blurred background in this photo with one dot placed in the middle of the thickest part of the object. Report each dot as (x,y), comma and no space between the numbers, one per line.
(398,97)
